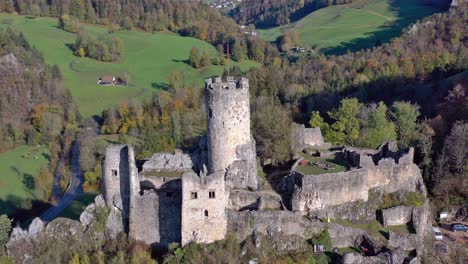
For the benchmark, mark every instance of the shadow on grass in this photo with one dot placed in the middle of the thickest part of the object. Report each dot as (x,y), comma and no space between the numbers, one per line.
(160,85)
(21,210)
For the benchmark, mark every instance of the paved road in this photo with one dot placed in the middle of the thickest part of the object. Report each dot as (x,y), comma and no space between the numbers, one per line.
(74,188)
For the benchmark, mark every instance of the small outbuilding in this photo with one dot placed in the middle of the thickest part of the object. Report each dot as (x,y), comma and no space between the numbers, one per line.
(106,80)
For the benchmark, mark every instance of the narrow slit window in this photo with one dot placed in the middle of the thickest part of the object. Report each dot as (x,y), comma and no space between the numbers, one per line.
(114,173)
(210,113)
(211,195)
(194,195)
(206,213)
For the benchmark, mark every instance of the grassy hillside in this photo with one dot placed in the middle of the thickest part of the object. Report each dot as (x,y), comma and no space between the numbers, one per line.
(148,59)
(354,26)
(18,168)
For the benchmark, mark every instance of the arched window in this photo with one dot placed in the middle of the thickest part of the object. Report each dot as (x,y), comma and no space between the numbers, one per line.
(206,213)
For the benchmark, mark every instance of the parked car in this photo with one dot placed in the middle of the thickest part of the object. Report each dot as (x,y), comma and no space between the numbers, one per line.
(458,227)
(437,234)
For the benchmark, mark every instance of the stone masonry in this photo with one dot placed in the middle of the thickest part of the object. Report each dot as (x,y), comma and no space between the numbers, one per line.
(385,168)
(167,201)
(229,142)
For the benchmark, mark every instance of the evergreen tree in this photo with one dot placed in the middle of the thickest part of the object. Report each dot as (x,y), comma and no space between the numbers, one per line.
(77,9)
(90,13)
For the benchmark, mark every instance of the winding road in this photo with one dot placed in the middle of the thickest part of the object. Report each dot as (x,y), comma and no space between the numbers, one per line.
(74,188)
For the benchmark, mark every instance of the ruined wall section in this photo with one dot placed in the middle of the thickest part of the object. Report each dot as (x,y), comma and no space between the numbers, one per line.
(316,192)
(120,179)
(385,169)
(303,137)
(228,120)
(144,222)
(242,173)
(204,202)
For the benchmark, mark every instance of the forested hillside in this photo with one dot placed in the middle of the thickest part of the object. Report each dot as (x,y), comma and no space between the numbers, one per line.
(412,68)
(34,106)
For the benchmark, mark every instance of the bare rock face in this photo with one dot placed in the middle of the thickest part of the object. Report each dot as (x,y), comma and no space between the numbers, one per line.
(404,241)
(392,257)
(36,226)
(398,215)
(88,215)
(99,201)
(114,224)
(22,243)
(343,236)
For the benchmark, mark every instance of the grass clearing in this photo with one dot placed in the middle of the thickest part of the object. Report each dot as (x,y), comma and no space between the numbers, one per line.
(359,25)
(148,60)
(19,167)
(337,165)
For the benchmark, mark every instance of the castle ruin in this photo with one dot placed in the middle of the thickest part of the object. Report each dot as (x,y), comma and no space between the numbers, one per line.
(167,201)
(202,196)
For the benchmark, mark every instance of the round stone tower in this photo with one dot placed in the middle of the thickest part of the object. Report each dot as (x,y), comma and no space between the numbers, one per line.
(228,120)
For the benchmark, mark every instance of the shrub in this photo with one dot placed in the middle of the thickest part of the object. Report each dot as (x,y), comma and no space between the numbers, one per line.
(69,23)
(324,239)
(319,259)
(5,228)
(104,48)
(414,199)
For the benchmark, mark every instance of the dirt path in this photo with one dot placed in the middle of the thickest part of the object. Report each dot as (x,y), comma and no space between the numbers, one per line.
(374,13)
(74,188)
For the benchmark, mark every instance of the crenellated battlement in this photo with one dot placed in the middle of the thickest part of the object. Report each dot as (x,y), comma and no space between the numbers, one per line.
(216,84)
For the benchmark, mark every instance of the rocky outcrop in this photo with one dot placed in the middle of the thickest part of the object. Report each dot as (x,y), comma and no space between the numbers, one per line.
(114,225)
(88,215)
(25,243)
(281,223)
(22,244)
(343,236)
(177,161)
(247,200)
(404,241)
(391,257)
(398,215)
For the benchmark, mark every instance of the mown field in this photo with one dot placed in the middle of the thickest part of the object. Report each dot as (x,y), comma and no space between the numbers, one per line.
(18,168)
(148,60)
(359,25)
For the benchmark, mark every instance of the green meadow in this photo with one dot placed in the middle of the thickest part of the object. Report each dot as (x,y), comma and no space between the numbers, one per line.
(18,168)
(148,60)
(359,25)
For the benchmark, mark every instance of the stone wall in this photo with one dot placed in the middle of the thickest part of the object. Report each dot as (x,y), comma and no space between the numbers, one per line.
(242,173)
(385,169)
(144,222)
(120,178)
(204,218)
(228,120)
(177,161)
(303,137)
(316,192)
